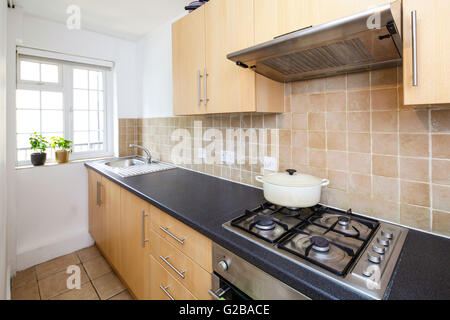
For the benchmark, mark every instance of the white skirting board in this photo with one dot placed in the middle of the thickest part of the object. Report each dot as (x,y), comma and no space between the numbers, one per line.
(60,247)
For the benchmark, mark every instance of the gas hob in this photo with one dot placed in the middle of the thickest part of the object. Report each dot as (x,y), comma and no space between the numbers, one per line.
(356,251)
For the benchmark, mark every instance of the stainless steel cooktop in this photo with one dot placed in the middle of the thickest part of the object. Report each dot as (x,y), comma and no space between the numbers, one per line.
(356,251)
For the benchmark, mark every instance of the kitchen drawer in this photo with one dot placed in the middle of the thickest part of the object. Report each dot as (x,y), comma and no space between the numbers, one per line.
(161,280)
(181,267)
(190,242)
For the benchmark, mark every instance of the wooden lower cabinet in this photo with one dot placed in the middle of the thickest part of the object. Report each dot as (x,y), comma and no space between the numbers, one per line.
(162,286)
(121,225)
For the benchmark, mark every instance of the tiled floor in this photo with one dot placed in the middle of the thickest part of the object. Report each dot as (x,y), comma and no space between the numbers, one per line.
(48,280)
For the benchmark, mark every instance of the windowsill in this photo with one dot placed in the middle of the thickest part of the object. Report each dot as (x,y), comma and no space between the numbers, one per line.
(55,164)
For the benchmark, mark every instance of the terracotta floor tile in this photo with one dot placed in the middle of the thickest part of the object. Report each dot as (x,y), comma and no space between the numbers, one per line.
(97,267)
(108,286)
(48,268)
(125,295)
(30,291)
(57,283)
(23,277)
(88,253)
(87,292)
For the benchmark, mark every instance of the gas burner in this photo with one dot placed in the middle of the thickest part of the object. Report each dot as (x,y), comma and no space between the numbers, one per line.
(264,222)
(320,244)
(344,221)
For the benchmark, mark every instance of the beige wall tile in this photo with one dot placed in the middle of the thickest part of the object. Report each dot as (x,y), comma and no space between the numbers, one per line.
(441,172)
(441,198)
(336,121)
(416,217)
(359,142)
(414,121)
(336,102)
(385,121)
(385,99)
(299,121)
(385,166)
(300,139)
(337,160)
(360,162)
(441,222)
(300,103)
(317,158)
(359,121)
(441,146)
(415,169)
(415,193)
(385,143)
(386,188)
(386,210)
(338,179)
(414,145)
(359,100)
(317,140)
(337,83)
(384,78)
(358,81)
(440,120)
(360,184)
(336,141)
(316,121)
(360,203)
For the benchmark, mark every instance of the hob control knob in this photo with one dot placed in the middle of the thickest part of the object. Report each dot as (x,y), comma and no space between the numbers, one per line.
(374,258)
(368,273)
(387,234)
(223,265)
(383,241)
(379,249)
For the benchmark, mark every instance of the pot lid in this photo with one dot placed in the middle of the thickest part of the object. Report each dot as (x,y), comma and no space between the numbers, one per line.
(292,179)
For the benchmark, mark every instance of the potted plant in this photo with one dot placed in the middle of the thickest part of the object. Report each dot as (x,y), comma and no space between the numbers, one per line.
(38,143)
(62,149)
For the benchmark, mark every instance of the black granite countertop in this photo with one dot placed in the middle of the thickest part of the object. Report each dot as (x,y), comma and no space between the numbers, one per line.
(204,203)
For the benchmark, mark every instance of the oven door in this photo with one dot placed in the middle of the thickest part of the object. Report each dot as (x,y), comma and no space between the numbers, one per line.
(221,289)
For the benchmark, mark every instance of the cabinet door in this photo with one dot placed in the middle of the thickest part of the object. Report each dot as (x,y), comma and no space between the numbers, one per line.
(188,57)
(433,52)
(266,20)
(134,222)
(111,215)
(96,228)
(229,28)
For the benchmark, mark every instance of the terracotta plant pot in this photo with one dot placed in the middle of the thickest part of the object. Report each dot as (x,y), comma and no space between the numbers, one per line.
(62,156)
(38,159)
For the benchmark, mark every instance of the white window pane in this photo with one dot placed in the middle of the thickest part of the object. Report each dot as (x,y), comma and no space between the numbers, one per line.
(97,147)
(80,99)
(93,100)
(49,73)
(100,81)
(101,120)
(52,100)
(93,120)
(29,71)
(23,141)
(93,80)
(80,79)
(28,121)
(94,137)
(23,155)
(82,148)
(80,121)
(101,103)
(81,137)
(27,99)
(52,121)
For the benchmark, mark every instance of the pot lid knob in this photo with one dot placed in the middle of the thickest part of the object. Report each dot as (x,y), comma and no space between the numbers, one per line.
(291,171)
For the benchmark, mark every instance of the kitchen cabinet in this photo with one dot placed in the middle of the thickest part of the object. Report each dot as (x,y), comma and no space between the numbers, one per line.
(213,84)
(134,220)
(189,65)
(433,52)
(97,227)
(278,17)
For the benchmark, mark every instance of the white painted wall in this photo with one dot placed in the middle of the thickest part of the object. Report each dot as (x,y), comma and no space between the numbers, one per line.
(154,56)
(3,218)
(48,207)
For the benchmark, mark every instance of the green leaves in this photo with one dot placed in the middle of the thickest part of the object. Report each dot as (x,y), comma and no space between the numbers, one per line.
(61,143)
(38,142)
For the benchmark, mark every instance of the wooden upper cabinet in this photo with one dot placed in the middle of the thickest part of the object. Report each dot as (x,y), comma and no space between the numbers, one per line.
(225,26)
(134,228)
(433,52)
(188,59)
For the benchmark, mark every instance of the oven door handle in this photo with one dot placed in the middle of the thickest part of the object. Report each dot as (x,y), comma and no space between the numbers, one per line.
(218,295)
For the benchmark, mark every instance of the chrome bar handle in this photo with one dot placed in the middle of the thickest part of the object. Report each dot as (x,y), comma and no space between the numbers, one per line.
(171,235)
(199,85)
(414,48)
(180,273)
(214,295)
(144,215)
(205,79)
(99,193)
(164,289)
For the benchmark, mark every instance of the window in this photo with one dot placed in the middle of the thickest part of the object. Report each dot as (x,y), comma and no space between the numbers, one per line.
(62,99)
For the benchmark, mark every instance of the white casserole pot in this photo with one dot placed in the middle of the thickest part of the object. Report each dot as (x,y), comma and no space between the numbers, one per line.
(292,190)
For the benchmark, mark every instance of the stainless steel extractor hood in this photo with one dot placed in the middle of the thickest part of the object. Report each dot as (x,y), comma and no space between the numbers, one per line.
(365,41)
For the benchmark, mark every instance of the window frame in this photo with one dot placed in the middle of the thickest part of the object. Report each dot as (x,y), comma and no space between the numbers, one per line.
(65,86)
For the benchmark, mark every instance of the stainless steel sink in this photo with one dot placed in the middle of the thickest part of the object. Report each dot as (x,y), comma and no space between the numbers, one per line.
(135,166)
(125,163)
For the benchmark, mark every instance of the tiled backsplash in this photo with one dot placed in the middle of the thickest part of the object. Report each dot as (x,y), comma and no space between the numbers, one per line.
(384,159)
